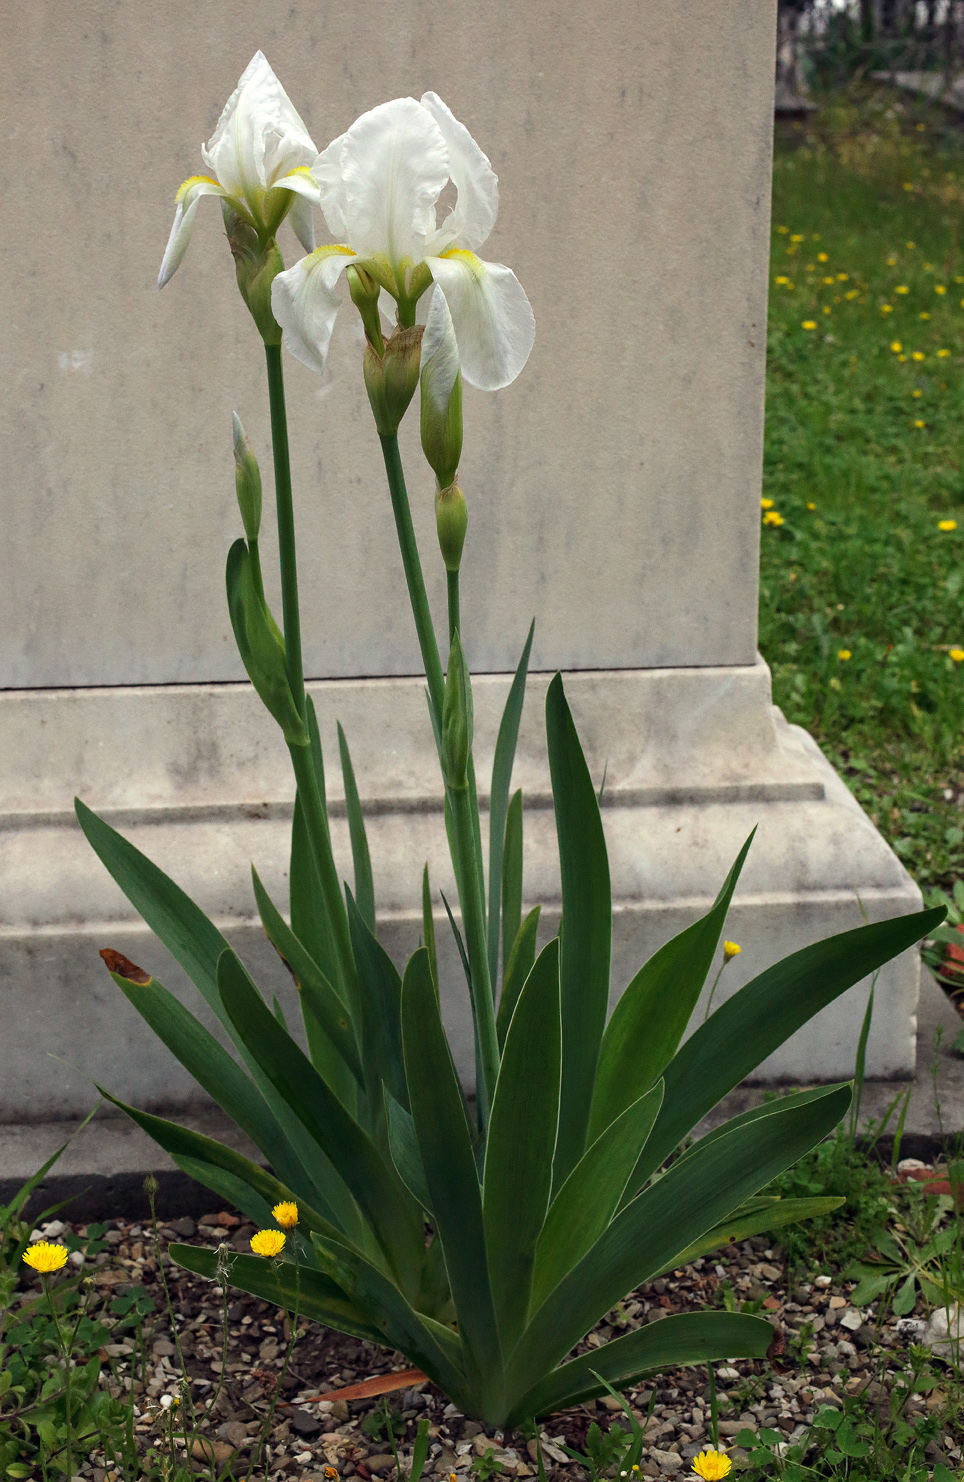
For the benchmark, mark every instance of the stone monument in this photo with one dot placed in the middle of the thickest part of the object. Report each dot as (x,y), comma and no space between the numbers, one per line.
(613,490)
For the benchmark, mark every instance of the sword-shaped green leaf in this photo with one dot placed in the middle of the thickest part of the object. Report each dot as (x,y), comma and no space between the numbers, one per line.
(517,968)
(192,940)
(403,1145)
(214,1070)
(261,652)
(762,1015)
(587,929)
(361,859)
(184,1143)
(380,991)
(771,1214)
(499,797)
(650,1018)
(521,1141)
(295,1288)
(590,1196)
(692,1197)
(316,992)
(511,883)
(386,1205)
(445,1144)
(681,1338)
(428,926)
(430,1344)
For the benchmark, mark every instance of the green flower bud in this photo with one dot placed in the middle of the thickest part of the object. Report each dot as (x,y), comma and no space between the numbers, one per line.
(247,478)
(451,520)
(257,265)
(441,383)
(364,292)
(457,719)
(391,379)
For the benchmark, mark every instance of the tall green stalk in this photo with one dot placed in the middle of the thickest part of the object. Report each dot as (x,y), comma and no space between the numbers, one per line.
(455,616)
(307,782)
(286,527)
(424,627)
(463,805)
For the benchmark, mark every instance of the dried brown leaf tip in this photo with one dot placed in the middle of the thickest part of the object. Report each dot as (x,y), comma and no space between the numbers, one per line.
(124,968)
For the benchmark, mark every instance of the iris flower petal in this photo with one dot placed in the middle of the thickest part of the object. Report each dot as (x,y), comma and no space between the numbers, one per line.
(472,218)
(184,213)
(394,164)
(305,303)
(494,324)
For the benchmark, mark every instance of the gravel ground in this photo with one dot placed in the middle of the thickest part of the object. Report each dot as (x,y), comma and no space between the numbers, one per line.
(828,1348)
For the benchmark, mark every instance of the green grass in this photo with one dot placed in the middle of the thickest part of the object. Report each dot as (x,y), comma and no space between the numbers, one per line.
(863,460)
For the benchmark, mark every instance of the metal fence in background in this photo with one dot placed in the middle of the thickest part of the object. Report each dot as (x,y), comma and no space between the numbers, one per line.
(825,44)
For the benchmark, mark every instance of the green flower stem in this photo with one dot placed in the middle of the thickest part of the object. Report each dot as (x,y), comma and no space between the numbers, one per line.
(454,605)
(308,790)
(286,527)
(65,1351)
(314,810)
(473,920)
(427,641)
(464,804)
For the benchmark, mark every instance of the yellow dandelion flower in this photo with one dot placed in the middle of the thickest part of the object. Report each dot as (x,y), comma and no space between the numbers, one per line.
(828,280)
(891,262)
(45,1257)
(821,257)
(843,654)
(826,308)
(851,293)
(957,654)
(809,324)
(781,279)
(731,949)
(766,503)
(939,288)
(925,315)
(797,237)
(908,185)
(783,230)
(911,245)
(811,506)
(286,1213)
(945,525)
(268,1243)
(917,393)
(896,346)
(917,355)
(919,423)
(772,517)
(842,277)
(902,288)
(902,357)
(943,354)
(712,1466)
(886,308)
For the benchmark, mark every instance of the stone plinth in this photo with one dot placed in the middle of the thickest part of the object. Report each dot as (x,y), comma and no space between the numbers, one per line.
(613,493)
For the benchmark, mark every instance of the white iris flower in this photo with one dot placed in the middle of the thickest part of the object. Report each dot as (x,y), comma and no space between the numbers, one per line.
(258,157)
(378,187)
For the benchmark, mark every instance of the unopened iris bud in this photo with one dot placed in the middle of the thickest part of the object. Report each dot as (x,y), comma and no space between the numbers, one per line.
(441,382)
(247,478)
(364,292)
(451,520)
(391,379)
(256,267)
(457,719)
